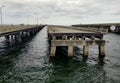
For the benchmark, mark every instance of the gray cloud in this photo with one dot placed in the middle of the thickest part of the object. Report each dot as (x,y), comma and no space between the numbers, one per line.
(55,11)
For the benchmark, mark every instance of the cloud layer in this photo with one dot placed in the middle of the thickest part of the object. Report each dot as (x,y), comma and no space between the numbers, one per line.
(64,12)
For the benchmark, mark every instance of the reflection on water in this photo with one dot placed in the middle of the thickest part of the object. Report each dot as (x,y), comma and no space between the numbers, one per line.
(30,63)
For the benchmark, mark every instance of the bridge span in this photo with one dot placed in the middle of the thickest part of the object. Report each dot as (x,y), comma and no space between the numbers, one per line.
(70,37)
(112,27)
(18,32)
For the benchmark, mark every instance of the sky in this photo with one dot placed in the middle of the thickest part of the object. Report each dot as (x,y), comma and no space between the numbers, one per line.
(60,12)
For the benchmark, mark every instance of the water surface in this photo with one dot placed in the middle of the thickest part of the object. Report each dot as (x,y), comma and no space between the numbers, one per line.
(30,63)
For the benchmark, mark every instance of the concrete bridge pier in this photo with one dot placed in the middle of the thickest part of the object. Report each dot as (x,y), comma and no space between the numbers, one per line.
(19,38)
(28,34)
(11,38)
(101,51)
(85,51)
(7,37)
(53,51)
(31,33)
(21,33)
(70,51)
(16,38)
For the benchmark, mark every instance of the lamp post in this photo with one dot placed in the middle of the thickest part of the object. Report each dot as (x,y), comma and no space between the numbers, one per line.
(1,14)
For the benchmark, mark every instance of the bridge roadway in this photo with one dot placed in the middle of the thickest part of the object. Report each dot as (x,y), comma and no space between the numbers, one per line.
(7,29)
(101,25)
(70,37)
(18,32)
(62,29)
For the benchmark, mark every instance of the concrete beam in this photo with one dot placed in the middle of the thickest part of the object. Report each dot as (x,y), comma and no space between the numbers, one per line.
(85,51)
(76,42)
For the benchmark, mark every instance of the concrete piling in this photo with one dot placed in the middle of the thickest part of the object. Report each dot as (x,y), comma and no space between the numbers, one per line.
(7,38)
(19,38)
(85,51)
(101,51)
(53,51)
(70,51)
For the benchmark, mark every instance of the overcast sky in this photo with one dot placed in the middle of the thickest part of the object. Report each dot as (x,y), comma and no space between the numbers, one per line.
(65,12)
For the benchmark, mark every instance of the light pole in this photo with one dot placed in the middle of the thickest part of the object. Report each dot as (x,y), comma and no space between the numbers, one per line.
(1,14)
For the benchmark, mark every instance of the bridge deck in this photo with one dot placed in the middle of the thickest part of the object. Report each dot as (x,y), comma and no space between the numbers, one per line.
(70,31)
(14,28)
(59,29)
(70,37)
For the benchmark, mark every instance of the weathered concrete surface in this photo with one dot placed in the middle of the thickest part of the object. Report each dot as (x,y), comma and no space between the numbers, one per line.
(69,36)
(77,42)
(12,28)
(64,29)
(104,26)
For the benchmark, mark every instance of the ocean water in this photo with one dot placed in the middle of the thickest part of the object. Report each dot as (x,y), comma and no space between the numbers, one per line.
(29,62)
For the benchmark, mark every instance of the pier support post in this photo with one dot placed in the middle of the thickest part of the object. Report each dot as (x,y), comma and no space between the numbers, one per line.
(70,51)
(12,37)
(101,51)
(7,38)
(85,51)
(31,33)
(53,51)
(28,34)
(19,38)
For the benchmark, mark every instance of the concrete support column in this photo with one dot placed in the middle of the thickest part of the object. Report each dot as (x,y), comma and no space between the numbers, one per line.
(7,38)
(53,51)
(85,51)
(28,33)
(23,34)
(12,37)
(83,37)
(70,51)
(101,51)
(18,38)
(54,37)
(64,37)
(35,30)
(73,37)
(31,33)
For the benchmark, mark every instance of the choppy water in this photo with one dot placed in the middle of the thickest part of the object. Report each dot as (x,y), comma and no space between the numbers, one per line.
(30,63)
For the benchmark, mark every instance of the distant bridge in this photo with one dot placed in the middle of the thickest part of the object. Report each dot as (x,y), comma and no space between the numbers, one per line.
(18,32)
(114,27)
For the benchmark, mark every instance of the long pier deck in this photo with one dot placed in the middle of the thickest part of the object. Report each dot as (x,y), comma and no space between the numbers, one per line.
(70,37)
(105,26)
(18,32)
(7,29)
